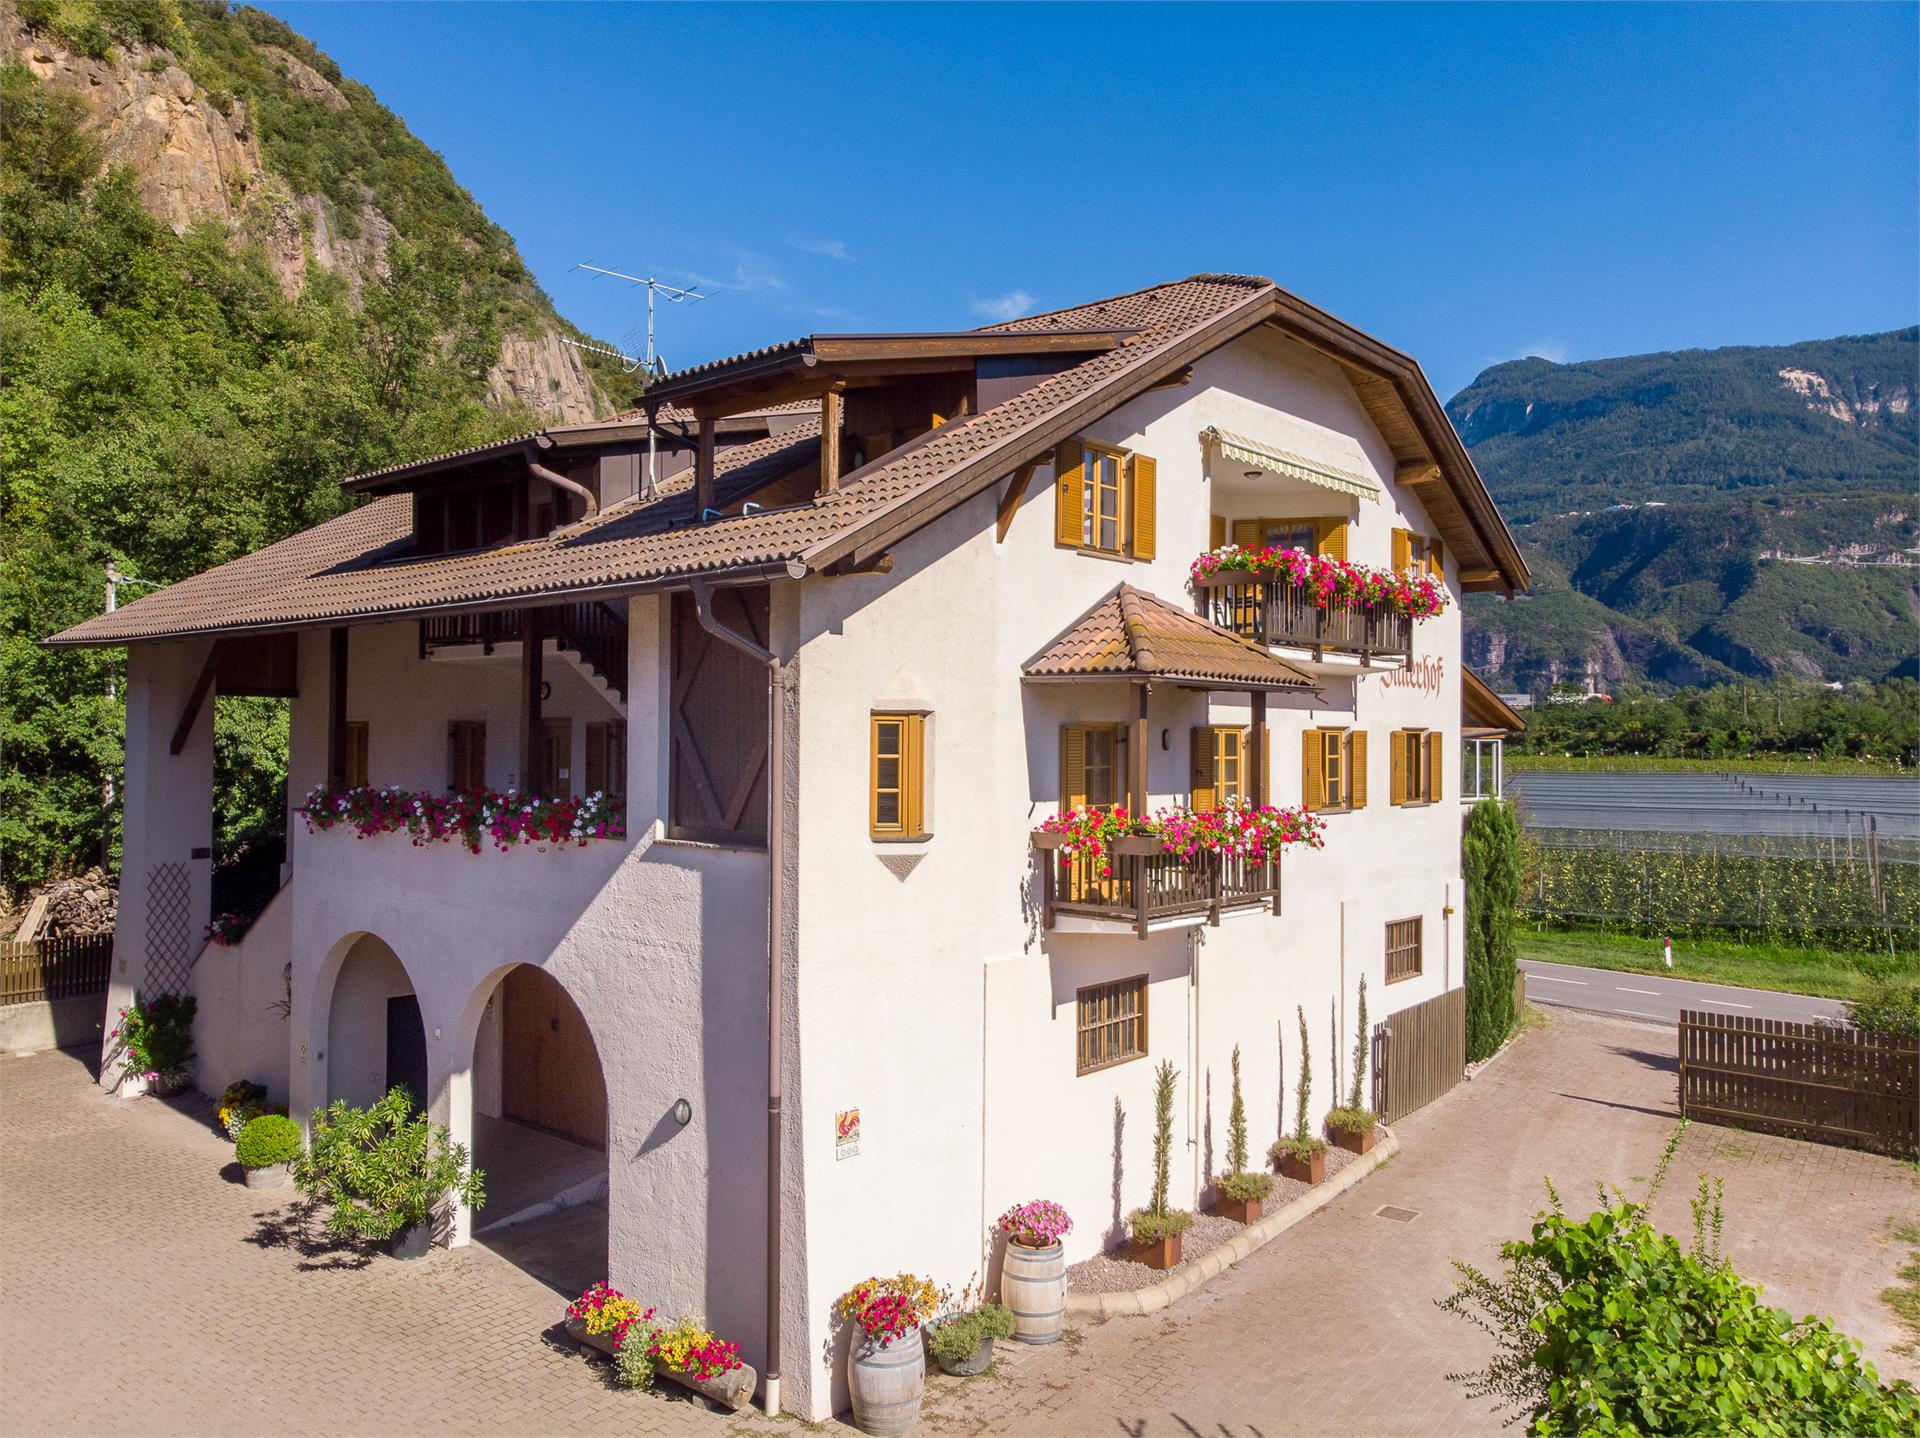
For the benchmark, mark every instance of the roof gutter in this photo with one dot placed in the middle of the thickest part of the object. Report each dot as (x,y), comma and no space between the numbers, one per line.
(781,686)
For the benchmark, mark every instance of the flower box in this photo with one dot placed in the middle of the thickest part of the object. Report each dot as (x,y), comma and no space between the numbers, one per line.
(1048,839)
(1240,1210)
(1160,1253)
(1353,1142)
(1304,1170)
(1137,846)
(731,1390)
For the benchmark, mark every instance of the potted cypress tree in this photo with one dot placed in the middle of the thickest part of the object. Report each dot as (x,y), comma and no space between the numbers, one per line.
(1352,1125)
(1240,1193)
(1302,1157)
(1157,1227)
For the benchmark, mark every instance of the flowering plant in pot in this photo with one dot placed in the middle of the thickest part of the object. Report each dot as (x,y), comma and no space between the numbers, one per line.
(601,1316)
(1329,581)
(471,819)
(386,1170)
(241,1103)
(688,1352)
(1302,1157)
(265,1147)
(961,1337)
(1157,1227)
(1240,1193)
(887,1369)
(156,1041)
(1033,1277)
(226,930)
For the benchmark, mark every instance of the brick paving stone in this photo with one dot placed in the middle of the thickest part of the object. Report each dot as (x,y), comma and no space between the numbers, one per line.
(142,1292)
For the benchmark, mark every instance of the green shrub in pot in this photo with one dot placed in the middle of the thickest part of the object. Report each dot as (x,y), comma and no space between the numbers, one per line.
(269,1139)
(384,1168)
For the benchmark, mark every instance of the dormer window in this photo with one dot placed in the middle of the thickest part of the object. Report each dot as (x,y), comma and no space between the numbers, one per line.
(1104,500)
(471,517)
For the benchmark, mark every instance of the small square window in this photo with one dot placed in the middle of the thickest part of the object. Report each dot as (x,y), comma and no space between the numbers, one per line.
(1403,949)
(1111,1023)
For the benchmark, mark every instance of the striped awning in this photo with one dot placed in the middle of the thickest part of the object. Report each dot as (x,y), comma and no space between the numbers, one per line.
(1250,452)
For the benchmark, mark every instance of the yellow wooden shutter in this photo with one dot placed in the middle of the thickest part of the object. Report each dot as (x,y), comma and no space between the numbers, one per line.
(1069,495)
(1402,550)
(1202,770)
(1313,770)
(1398,787)
(1436,564)
(1330,538)
(1265,796)
(1357,769)
(1436,760)
(1246,533)
(1144,475)
(1216,531)
(1073,766)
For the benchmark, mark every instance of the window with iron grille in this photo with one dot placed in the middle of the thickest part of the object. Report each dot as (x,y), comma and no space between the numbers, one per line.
(1403,949)
(1112,1024)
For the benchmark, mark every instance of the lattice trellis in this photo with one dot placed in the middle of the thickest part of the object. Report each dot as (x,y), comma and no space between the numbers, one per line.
(170,951)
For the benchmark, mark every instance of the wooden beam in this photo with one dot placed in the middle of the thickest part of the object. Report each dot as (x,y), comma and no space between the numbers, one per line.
(1479,576)
(703,473)
(1137,753)
(1256,756)
(195,698)
(533,742)
(337,708)
(832,413)
(1174,381)
(1010,501)
(1418,473)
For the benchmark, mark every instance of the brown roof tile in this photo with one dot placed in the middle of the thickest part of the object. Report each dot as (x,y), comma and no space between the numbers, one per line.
(1136,635)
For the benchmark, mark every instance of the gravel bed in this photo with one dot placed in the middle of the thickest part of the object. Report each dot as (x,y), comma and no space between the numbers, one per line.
(1114,1272)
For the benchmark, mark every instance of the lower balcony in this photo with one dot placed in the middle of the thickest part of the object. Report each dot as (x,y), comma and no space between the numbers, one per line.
(1282,614)
(1143,887)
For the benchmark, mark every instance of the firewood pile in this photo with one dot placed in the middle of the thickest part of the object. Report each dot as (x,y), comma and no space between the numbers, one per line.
(83,904)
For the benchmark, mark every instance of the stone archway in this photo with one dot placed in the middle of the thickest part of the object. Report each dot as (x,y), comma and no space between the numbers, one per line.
(375,1035)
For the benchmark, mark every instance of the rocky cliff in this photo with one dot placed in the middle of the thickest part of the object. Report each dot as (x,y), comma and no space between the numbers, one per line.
(177,100)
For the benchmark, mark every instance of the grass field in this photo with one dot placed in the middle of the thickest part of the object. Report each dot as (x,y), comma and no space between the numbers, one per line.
(1823,973)
(1647,764)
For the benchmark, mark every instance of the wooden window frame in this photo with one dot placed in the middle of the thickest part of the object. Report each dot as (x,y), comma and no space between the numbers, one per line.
(1118,785)
(1413,753)
(1225,736)
(1417,948)
(1130,1025)
(476,757)
(1122,501)
(910,788)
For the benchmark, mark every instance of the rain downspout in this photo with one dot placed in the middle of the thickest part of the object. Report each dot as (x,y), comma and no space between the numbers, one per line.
(780,686)
(560,481)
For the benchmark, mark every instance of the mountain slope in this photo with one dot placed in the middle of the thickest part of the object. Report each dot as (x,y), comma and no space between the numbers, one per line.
(228,277)
(1706,514)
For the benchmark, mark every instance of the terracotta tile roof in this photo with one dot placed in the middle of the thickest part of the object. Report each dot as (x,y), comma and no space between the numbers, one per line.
(1136,635)
(348,568)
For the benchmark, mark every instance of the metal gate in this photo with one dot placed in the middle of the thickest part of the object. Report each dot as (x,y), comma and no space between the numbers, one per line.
(1418,1054)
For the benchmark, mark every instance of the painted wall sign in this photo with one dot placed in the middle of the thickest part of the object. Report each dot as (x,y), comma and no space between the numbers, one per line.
(846,1133)
(1425,674)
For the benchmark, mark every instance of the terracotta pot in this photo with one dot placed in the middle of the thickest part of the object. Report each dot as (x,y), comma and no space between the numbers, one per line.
(1240,1210)
(1353,1142)
(1033,1284)
(886,1384)
(272,1176)
(1164,1253)
(1304,1170)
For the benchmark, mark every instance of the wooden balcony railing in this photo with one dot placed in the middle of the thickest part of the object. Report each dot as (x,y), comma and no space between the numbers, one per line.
(1276,612)
(594,631)
(1148,884)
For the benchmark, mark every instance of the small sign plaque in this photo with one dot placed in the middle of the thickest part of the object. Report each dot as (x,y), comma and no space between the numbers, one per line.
(846,1133)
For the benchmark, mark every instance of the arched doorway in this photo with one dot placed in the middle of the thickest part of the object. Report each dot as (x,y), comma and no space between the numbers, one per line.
(540,1131)
(375,1035)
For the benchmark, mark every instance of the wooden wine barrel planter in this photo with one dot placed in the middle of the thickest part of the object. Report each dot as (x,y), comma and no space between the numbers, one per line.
(1034,1285)
(886,1384)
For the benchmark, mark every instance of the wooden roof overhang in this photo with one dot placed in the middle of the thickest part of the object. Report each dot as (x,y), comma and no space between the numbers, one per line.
(816,364)
(1484,711)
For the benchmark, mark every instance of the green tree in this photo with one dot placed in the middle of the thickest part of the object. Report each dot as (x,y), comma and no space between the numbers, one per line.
(1490,860)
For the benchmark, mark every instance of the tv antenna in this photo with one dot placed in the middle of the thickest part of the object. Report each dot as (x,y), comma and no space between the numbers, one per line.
(656,290)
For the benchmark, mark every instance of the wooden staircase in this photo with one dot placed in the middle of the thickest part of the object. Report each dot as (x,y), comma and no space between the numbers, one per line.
(591,633)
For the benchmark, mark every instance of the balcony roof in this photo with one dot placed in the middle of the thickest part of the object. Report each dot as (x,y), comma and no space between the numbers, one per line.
(1132,634)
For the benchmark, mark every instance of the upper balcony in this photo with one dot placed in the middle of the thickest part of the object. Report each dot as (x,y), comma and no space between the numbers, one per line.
(1282,613)
(1142,886)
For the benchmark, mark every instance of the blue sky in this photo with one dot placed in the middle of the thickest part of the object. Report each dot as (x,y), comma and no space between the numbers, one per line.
(1470,183)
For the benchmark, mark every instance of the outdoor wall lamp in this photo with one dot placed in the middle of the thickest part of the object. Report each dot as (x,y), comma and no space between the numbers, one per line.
(682,1113)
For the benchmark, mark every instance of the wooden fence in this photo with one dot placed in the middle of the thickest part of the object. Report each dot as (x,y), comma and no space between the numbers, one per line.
(1418,1054)
(1827,1084)
(63,968)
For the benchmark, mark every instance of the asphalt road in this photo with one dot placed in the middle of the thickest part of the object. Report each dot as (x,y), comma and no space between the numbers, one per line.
(1643,996)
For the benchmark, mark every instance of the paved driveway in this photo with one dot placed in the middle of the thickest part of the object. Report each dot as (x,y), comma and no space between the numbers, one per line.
(132,1301)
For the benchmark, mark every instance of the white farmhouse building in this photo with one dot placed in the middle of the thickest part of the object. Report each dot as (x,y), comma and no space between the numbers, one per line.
(836,675)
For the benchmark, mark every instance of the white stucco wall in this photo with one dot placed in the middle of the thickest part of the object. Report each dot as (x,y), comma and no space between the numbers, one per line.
(238,1031)
(929,998)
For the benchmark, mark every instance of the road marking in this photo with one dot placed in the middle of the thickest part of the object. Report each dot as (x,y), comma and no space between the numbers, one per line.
(1550,979)
(1727,1004)
(1650,993)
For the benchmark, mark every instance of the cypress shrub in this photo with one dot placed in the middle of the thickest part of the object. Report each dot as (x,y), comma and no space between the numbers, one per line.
(1490,858)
